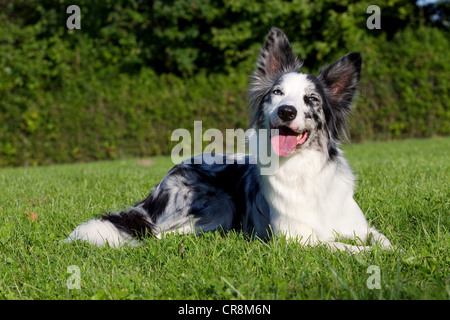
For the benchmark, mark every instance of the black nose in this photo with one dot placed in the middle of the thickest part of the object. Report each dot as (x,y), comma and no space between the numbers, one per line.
(287,113)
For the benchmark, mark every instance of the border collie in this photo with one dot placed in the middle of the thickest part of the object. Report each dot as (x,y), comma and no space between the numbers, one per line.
(308,199)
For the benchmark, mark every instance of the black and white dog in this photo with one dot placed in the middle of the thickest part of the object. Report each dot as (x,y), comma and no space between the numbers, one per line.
(308,199)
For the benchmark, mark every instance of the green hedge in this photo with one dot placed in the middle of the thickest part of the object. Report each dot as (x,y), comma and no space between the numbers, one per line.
(135,72)
(405,89)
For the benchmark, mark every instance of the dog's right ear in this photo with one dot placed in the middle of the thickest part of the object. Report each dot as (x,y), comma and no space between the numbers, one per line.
(276,56)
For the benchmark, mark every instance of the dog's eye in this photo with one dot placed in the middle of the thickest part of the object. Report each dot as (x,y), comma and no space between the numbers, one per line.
(312,99)
(277,92)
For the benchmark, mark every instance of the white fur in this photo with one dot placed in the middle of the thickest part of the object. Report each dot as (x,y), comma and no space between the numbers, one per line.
(311,201)
(99,232)
(294,87)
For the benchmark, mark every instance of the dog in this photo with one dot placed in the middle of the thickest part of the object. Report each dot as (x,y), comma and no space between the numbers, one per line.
(308,199)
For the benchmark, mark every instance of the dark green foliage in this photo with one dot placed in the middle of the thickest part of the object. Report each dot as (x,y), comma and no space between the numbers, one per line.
(405,91)
(137,70)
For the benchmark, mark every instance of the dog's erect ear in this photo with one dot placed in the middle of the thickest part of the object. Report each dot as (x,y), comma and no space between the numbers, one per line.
(275,58)
(276,55)
(342,77)
(340,80)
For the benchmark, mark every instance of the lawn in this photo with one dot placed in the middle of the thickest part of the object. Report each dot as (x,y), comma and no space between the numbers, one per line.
(403,187)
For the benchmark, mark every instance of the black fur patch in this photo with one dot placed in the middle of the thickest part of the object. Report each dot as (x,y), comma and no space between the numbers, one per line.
(131,222)
(228,179)
(155,205)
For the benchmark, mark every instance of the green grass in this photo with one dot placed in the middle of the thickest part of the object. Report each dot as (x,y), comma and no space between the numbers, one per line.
(403,187)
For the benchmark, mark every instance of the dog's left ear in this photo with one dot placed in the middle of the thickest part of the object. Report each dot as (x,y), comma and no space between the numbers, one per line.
(342,77)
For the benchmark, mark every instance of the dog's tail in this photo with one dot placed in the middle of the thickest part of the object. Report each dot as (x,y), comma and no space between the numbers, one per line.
(115,228)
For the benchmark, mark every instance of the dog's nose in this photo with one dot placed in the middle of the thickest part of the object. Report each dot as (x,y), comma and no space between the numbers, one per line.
(287,113)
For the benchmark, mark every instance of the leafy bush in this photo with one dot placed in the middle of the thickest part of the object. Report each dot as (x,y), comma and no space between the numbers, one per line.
(405,90)
(138,70)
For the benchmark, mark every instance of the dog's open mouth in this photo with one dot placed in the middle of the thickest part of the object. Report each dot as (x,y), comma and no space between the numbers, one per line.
(286,140)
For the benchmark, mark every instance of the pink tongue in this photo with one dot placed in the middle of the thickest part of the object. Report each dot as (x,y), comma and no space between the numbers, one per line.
(284,142)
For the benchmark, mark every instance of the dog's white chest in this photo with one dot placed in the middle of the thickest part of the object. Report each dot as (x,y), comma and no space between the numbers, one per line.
(307,198)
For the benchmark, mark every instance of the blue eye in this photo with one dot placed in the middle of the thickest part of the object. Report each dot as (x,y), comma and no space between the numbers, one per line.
(277,92)
(312,99)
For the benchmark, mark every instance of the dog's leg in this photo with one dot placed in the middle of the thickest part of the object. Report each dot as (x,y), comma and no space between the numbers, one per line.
(380,239)
(357,227)
(335,246)
(375,237)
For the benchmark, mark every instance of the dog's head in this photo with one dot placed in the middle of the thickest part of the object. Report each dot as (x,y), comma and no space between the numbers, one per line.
(302,110)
